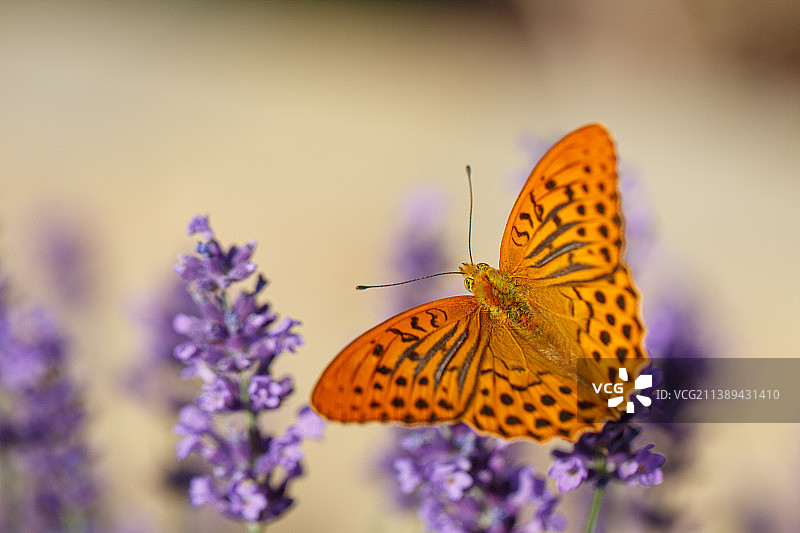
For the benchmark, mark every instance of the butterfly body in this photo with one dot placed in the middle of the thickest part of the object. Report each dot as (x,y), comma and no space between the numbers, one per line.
(505,359)
(524,310)
(496,292)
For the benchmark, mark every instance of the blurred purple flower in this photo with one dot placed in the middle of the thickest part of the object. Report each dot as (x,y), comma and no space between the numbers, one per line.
(64,249)
(569,472)
(308,425)
(232,345)
(451,479)
(47,468)
(639,223)
(459,481)
(422,216)
(644,468)
(154,378)
(155,375)
(605,455)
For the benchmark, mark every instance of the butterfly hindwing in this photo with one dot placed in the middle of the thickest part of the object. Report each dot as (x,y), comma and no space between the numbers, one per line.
(518,396)
(450,361)
(565,226)
(417,367)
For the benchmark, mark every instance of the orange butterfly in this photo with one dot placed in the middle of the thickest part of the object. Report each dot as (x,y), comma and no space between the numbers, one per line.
(505,359)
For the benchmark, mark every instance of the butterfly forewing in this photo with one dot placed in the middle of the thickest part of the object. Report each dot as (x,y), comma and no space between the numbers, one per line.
(566,225)
(563,243)
(417,367)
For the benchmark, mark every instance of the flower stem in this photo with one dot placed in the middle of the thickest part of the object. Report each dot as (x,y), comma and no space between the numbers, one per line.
(254,527)
(252,428)
(594,510)
(597,495)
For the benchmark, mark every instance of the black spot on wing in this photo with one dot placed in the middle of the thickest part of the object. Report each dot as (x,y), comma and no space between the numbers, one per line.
(415,324)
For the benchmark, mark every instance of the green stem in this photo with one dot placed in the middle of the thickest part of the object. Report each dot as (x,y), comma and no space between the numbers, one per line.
(594,510)
(254,527)
(8,494)
(598,494)
(252,428)
(252,431)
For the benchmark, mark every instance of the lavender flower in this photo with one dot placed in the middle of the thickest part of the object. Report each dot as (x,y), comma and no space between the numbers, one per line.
(232,345)
(605,455)
(460,481)
(155,376)
(421,230)
(643,468)
(64,250)
(45,464)
(569,472)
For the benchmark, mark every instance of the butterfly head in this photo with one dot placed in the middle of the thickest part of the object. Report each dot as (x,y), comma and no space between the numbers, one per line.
(472,272)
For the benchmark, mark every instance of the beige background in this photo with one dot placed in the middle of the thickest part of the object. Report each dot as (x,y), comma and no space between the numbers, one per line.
(302,125)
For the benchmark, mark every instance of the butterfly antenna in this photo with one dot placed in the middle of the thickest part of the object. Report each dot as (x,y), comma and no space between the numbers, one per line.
(469,246)
(362,287)
(469,234)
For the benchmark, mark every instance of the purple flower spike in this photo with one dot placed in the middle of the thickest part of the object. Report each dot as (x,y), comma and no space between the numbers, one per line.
(606,455)
(459,481)
(41,428)
(233,341)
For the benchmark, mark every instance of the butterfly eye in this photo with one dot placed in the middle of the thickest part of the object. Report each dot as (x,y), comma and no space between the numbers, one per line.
(468,283)
(482,266)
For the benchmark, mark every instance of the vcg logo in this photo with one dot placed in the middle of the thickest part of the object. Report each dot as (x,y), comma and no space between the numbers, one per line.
(642,382)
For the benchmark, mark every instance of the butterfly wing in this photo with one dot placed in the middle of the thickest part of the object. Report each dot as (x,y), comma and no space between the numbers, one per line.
(563,244)
(449,361)
(565,226)
(417,367)
(519,396)
(602,318)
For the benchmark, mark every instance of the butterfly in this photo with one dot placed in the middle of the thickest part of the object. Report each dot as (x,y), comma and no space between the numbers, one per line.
(523,354)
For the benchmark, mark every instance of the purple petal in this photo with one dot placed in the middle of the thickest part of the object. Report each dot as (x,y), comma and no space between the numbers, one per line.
(243,253)
(569,473)
(309,425)
(185,351)
(201,491)
(199,224)
(247,500)
(242,271)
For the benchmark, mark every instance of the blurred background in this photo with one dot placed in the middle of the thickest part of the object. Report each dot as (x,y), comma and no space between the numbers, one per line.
(305,126)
